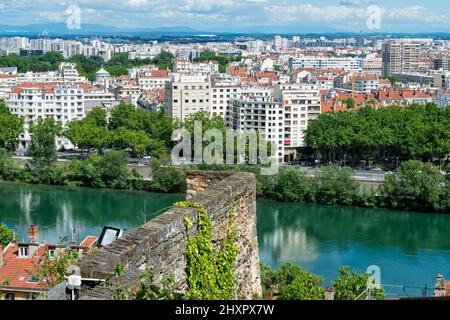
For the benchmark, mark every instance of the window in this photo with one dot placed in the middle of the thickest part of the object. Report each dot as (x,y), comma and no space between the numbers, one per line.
(23,252)
(10,296)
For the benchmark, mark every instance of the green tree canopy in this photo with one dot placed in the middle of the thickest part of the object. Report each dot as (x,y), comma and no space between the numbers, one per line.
(350,285)
(42,147)
(11,127)
(6,235)
(416,186)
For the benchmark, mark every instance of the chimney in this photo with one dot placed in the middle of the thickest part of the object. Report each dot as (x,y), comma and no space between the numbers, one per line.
(329,293)
(439,290)
(33,234)
(1,256)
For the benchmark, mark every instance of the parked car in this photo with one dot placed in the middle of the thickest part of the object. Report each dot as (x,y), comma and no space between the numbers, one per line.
(19,154)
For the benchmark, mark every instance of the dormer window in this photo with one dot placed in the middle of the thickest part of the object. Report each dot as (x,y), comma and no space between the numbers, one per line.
(23,252)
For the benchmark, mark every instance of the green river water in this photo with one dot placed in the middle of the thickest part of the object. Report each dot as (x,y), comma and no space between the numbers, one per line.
(410,248)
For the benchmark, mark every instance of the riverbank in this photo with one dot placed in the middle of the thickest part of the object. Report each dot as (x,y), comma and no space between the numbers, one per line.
(414,186)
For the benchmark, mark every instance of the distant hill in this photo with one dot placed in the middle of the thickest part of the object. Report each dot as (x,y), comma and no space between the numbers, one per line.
(61,29)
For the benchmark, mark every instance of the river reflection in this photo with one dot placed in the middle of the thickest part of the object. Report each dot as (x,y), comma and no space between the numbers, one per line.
(410,248)
(58,210)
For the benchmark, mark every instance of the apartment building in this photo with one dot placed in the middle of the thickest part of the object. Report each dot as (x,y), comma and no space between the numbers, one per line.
(33,101)
(221,94)
(184,66)
(401,57)
(187,94)
(365,84)
(348,64)
(154,79)
(260,113)
(442,63)
(67,72)
(301,104)
(373,65)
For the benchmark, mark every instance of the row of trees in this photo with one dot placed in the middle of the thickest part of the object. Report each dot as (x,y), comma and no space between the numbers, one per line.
(413,186)
(290,282)
(86,66)
(127,128)
(414,133)
(119,64)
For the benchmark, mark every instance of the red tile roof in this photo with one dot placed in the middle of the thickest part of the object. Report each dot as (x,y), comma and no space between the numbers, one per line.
(17,270)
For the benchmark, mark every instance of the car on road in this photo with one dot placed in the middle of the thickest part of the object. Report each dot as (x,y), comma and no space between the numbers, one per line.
(20,154)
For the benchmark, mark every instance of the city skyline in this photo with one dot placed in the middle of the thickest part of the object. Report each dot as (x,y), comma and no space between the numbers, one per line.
(264,16)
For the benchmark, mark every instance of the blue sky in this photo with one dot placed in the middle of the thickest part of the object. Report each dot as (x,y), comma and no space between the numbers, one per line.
(233,15)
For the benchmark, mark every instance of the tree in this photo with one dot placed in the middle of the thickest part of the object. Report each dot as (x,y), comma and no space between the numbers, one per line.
(137,141)
(208,121)
(164,60)
(98,116)
(9,169)
(53,269)
(291,185)
(167,179)
(6,235)
(11,127)
(86,134)
(418,132)
(415,186)
(350,285)
(113,168)
(42,147)
(290,282)
(335,185)
(350,103)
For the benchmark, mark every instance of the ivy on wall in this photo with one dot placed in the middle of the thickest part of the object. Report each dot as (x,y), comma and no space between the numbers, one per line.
(209,270)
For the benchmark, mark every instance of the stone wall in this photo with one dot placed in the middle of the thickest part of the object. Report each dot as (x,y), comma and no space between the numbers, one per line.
(159,245)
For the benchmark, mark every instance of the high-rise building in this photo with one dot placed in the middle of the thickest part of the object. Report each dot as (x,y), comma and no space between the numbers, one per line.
(33,101)
(301,104)
(262,114)
(401,57)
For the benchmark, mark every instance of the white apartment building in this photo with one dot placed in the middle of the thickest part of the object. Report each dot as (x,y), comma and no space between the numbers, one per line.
(373,65)
(49,76)
(302,104)
(154,79)
(183,65)
(262,114)
(401,57)
(221,94)
(317,62)
(187,94)
(13,45)
(67,72)
(365,84)
(63,103)
(128,93)
(7,82)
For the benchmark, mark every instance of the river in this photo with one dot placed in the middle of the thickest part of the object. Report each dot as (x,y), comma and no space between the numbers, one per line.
(409,248)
